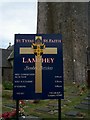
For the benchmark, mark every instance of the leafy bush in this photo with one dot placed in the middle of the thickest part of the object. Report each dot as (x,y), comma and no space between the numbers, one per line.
(7,95)
(7,85)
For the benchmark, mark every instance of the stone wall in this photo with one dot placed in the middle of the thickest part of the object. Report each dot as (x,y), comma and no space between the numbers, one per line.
(0,66)
(0,75)
(7,74)
(70,19)
(89,24)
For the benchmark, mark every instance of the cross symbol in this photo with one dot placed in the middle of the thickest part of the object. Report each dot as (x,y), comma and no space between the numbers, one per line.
(38,48)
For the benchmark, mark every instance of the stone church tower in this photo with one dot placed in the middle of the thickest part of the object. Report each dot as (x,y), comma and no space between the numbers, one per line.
(71,20)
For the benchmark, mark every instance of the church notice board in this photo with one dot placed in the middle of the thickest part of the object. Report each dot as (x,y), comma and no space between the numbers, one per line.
(38,67)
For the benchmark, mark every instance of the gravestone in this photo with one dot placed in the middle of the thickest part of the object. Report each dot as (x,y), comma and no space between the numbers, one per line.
(87,98)
(53,104)
(72,113)
(82,106)
(65,100)
(53,112)
(10,106)
(29,118)
(43,109)
(72,96)
(75,114)
(88,95)
(56,108)
(85,102)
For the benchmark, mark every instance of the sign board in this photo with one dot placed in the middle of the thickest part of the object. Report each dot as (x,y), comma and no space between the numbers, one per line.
(38,67)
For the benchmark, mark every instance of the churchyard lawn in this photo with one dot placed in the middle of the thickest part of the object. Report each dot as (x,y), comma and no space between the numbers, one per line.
(75,104)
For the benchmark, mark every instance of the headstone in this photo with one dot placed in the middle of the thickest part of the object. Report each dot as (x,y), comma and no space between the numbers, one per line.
(10,106)
(43,109)
(65,100)
(82,106)
(85,102)
(72,96)
(72,113)
(56,108)
(55,111)
(51,112)
(88,95)
(53,104)
(29,118)
(87,98)
(62,104)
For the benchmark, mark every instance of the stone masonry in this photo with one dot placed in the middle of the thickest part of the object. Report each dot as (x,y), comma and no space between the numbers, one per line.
(70,19)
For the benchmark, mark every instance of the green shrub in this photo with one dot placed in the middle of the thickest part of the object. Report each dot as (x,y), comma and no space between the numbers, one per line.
(7,85)
(6,95)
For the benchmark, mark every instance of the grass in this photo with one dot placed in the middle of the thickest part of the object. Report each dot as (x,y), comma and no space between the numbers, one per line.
(30,108)
(74,101)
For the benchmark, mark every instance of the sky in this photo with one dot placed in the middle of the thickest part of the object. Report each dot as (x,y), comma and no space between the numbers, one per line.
(16,17)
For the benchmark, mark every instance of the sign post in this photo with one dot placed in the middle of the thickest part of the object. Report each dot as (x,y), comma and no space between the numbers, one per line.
(59,109)
(17,109)
(38,67)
